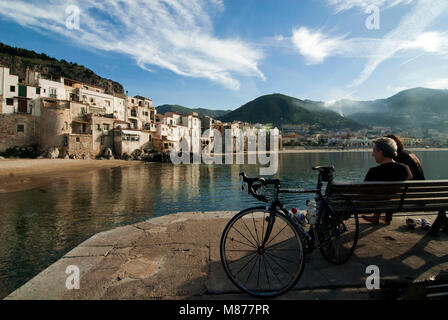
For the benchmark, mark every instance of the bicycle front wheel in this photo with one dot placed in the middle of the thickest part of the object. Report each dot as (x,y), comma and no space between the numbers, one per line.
(262,271)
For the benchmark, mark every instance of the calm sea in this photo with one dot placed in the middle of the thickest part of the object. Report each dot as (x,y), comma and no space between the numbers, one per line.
(39,226)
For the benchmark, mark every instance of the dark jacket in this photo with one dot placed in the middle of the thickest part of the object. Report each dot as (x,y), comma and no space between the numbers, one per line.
(391,171)
(411,160)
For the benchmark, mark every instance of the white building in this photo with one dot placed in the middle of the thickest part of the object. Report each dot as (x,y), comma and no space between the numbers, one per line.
(16,97)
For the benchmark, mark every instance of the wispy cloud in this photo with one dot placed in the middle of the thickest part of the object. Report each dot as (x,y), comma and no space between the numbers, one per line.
(409,36)
(343,5)
(172,34)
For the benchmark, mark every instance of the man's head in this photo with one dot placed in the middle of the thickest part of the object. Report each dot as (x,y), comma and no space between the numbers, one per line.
(384,149)
(398,141)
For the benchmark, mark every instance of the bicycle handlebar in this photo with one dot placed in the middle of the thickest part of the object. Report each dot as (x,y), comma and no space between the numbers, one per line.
(252,188)
(262,180)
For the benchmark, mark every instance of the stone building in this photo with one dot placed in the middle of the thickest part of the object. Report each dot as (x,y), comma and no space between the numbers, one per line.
(79,120)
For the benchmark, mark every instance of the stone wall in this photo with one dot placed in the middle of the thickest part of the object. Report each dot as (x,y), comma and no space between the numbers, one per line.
(78,145)
(55,124)
(10,132)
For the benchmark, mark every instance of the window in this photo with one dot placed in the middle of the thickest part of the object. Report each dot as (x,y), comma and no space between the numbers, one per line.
(78,139)
(37,90)
(9,102)
(105,127)
(20,128)
(12,88)
(98,127)
(53,93)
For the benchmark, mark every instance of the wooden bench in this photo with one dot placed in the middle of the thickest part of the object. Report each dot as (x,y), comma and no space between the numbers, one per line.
(380,197)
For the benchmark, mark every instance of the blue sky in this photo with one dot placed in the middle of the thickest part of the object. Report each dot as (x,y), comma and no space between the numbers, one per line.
(221,54)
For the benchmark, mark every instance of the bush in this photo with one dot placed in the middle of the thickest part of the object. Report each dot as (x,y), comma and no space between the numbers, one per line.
(29,152)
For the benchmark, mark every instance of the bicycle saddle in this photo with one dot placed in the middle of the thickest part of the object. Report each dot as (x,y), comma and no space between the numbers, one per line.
(329,168)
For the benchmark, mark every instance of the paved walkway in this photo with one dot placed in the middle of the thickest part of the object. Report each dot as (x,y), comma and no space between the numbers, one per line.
(177,257)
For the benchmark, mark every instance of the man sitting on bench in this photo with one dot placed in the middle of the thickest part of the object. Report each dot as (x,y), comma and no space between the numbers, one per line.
(384,152)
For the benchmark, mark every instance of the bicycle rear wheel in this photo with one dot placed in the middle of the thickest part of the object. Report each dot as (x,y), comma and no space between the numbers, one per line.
(337,237)
(262,272)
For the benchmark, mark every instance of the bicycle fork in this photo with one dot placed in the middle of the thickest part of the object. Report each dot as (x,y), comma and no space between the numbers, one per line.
(271,221)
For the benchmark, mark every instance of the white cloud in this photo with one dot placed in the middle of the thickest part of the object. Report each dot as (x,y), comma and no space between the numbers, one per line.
(409,34)
(343,5)
(437,84)
(314,45)
(173,34)
(407,37)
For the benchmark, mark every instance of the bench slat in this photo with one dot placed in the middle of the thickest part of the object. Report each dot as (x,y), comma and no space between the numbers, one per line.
(392,183)
(374,196)
(394,209)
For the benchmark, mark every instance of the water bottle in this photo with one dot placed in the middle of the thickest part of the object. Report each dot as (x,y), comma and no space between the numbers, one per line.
(425,225)
(299,216)
(311,211)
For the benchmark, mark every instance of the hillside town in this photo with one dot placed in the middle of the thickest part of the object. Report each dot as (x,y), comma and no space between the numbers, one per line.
(313,136)
(69,119)
(64,118)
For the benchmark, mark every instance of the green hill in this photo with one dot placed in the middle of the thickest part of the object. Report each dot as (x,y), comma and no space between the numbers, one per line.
(19,59)
(413,108)
(280,110)
(184,110)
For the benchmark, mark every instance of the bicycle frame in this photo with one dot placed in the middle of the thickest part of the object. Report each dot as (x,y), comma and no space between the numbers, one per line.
(276,206)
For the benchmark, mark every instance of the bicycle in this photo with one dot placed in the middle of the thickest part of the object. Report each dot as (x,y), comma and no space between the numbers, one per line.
(273,258)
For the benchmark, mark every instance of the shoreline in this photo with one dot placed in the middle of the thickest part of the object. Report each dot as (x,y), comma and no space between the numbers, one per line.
(24,174)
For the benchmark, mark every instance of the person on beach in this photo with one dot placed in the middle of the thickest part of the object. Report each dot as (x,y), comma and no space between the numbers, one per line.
(384,152)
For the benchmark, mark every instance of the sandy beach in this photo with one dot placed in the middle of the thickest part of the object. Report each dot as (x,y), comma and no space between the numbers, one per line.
(23,174)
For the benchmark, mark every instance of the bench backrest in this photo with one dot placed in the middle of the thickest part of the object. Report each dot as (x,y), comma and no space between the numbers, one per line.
(405,196)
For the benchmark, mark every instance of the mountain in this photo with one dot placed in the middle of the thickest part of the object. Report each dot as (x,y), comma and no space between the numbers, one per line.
(413,108)
(17,60)
(279,109)
(184,110)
